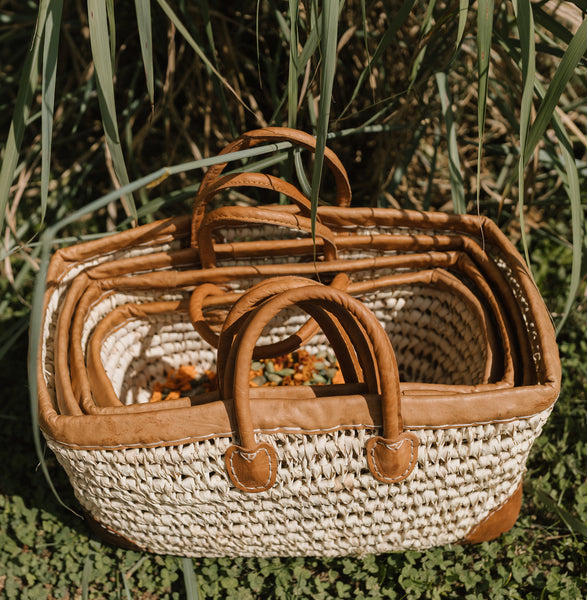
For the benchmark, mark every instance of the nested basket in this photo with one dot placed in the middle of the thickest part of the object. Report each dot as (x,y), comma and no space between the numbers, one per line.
(156,475)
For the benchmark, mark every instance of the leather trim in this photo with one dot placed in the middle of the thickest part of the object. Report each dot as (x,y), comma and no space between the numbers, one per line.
(109,535)
(309,413)
(498,521)
(253,470)
(424,407)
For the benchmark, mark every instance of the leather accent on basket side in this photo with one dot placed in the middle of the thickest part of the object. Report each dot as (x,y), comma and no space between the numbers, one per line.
(498,521)
(110,536)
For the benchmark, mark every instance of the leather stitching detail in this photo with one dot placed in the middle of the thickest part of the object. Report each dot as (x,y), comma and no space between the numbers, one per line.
(393,446)
(250,456)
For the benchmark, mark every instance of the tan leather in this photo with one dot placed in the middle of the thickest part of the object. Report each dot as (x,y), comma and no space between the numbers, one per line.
(108,534)
(101,385)
(498,521)
(294,411)
(536,391)
(238,215)
(254,138)
(104,395)
(252,470)
(349,363)
(254,180)
(306,332)
(391,460)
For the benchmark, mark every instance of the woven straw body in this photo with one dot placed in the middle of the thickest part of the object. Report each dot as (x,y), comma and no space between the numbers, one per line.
(178,500)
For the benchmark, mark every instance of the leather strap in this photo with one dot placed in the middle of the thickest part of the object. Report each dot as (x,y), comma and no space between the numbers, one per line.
(259,137)
(234,216)
(201,295)
(251,466)
(354,368)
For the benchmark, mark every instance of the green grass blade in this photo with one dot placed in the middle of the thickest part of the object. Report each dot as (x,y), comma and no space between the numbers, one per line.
(328,42)
(196,47)
(86,575)
(573,188)
(570,177)
(143,10)
(49,69)
(575,525)
(26,89)
(111,29)
(190,579)
(550,23)
(99,40)
(463,15)
(216,81)
(292,81)
(456,177)
(484,35)
(577,220)
(35,333)
(424,30)
(385,42)
(525,22)
(366,35)
(573,54)
(126,587)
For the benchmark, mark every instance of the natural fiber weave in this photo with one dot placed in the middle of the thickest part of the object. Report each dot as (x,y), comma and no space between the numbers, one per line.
(434,334)
(324,488)
(155,474)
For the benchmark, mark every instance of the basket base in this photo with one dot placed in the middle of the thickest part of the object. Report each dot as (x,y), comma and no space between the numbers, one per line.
(108,535)
(499,521)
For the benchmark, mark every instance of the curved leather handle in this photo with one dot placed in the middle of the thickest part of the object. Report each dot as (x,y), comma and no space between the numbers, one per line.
(355,366)
(258,137)
(230,216)
(203,294)
(252,467)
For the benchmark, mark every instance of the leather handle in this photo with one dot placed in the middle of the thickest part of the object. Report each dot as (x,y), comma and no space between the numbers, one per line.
(252,466)
(355,367)
(267,135)
(231,216)
(202,296)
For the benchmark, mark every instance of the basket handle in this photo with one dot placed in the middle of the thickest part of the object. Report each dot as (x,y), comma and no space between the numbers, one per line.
(232,216)
(252,466)
(355,366)
(201,297)
(202,224)
(267,135)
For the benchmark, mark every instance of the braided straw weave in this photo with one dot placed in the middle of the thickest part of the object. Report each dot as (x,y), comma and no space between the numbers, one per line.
(178,500)
(435,336)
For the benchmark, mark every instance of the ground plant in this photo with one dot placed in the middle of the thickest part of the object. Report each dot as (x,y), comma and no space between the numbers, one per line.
(110,114)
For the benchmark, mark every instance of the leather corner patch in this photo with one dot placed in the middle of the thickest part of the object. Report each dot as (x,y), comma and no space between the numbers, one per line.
(252,471)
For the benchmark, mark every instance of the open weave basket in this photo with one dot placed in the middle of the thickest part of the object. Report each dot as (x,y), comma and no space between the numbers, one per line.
(154,476)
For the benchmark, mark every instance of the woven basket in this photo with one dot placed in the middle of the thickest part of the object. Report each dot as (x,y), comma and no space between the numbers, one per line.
(153,475)
(438,326)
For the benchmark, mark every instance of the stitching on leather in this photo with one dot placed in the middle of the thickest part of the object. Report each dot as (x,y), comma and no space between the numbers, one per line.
(299,430)
(393,446)
(250,456)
